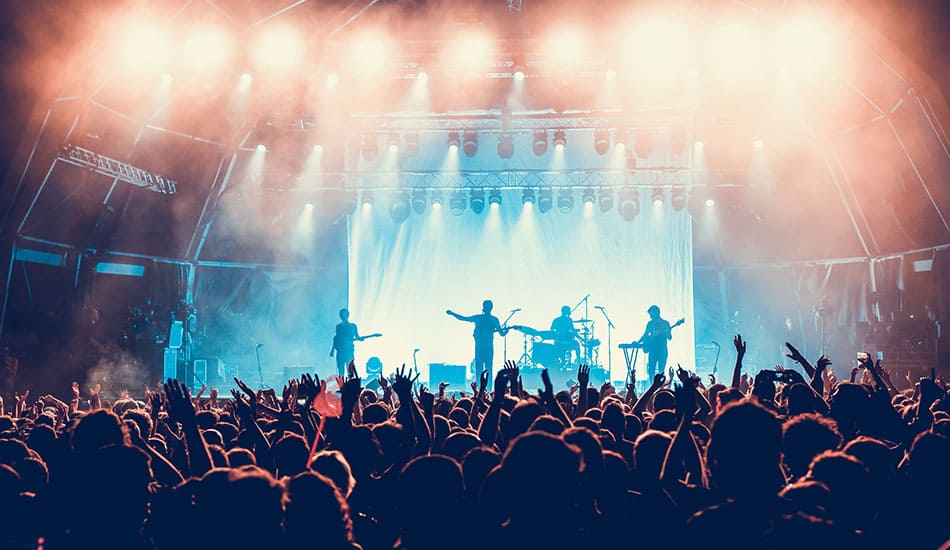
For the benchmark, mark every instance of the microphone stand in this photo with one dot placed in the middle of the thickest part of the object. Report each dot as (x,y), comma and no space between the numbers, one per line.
(260,371)
(505,337)
(716,364)
(610,351)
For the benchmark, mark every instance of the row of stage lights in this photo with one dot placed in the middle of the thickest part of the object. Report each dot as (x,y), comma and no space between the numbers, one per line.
(403,203)
(799,40)
(468,142)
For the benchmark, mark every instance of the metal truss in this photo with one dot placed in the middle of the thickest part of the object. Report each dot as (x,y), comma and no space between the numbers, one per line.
(101,164)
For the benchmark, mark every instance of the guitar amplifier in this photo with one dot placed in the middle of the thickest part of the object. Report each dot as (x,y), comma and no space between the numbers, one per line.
(454,375)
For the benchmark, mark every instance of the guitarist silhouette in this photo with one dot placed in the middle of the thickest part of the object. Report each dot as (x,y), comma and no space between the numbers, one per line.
(654,341)
(346,334)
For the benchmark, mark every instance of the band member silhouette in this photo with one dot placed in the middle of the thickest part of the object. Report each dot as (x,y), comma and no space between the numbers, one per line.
(565,336)
(654,342)
(486,325)
(346,333)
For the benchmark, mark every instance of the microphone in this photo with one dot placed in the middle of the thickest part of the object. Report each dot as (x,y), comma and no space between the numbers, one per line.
(259,346)
(599,307)
(415,350)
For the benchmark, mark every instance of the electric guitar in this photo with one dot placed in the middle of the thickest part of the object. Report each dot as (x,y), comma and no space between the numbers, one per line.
(653,342)
(338,342)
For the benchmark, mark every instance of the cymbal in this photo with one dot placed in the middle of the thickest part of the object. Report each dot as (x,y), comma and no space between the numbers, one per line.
(583,321)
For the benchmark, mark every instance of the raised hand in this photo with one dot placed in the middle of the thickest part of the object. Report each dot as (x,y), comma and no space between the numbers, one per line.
(511,370)
(442,386)
(402,383)
(241,405)
(309,387)
(213,397)
(583,375)
(154,400)
(685,402)
(794,354)
(246,389)
(180,407)
(547,394)
(739,344)
(659,380)
(289,396)
(712,379)
(684,376)
(351,370)
(482,382)
(21,398)
(426,399)
(501,384)
(75,388)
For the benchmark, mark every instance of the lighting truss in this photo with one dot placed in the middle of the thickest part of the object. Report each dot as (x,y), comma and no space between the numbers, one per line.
(117,169)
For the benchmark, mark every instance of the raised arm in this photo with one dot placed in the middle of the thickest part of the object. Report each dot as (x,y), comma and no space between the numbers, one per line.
(488,429)
(182,409)
(740,353)
(468,318)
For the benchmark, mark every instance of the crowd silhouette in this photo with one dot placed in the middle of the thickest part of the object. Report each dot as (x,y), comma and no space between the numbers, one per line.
(783,458)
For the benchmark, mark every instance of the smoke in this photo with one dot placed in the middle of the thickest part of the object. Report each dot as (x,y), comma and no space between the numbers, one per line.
(120,371)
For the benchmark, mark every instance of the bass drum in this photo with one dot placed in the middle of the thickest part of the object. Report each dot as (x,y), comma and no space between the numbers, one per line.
(543,354)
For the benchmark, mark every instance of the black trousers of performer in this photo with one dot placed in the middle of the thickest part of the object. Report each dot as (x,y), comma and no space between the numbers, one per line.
(343,358)
(656,363)
(484,355)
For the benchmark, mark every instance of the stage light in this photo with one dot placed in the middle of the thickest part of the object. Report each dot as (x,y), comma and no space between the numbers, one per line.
(412,144)
(545,200)
(419,201)
(698,145)
(644,144)
(308,207)
(606,199)
(207,48)
(318,148)
(629,203)
(710,202)
(399,207)
(477,200)
(393,143)
(436,199)
(566,45)
(678,199)
(758,144)
(589,195)
(611,74)
(261,148)
(245,81)
(565,201)
(422,77)
(457,203)
(454,142)
(601,141)
(332,79)
(369,148)
(369,54)
(470,142)
(144,46)
(735,48)
(540,142)
(278,48)
(367,198)
(560,139)
(506,146)
(494,197)
(473,51)
(527,196)
(698,203)
(518,67)
(658,196)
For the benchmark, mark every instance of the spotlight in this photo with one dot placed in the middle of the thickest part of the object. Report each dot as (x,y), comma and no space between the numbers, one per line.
(494,197)
(758,144)
(399,207)
(367,199)
(606,199)
(457,203)
(611,74)
(506,146)
(332,80)
(657,196)
(368,148)
(411,147)
(678,199)
(540,142)
(545,200)
(527,196)
(422,77)
(436,199)
(644,144)
(588,196)
(308,207)
(317,148)
(419,201)
(470,143)
(710,202)
(245,81)
(261,148)
(629,204)
(565,201)
(620,140)
(454,142)
(601,141)
(698,145)
(697,203)
(518,67)
(478,200)
(393,143)
(560,140)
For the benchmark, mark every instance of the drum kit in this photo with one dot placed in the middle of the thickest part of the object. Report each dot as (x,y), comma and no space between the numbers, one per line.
(542,349)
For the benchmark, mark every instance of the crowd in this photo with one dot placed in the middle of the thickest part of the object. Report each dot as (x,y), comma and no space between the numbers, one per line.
(778,459)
